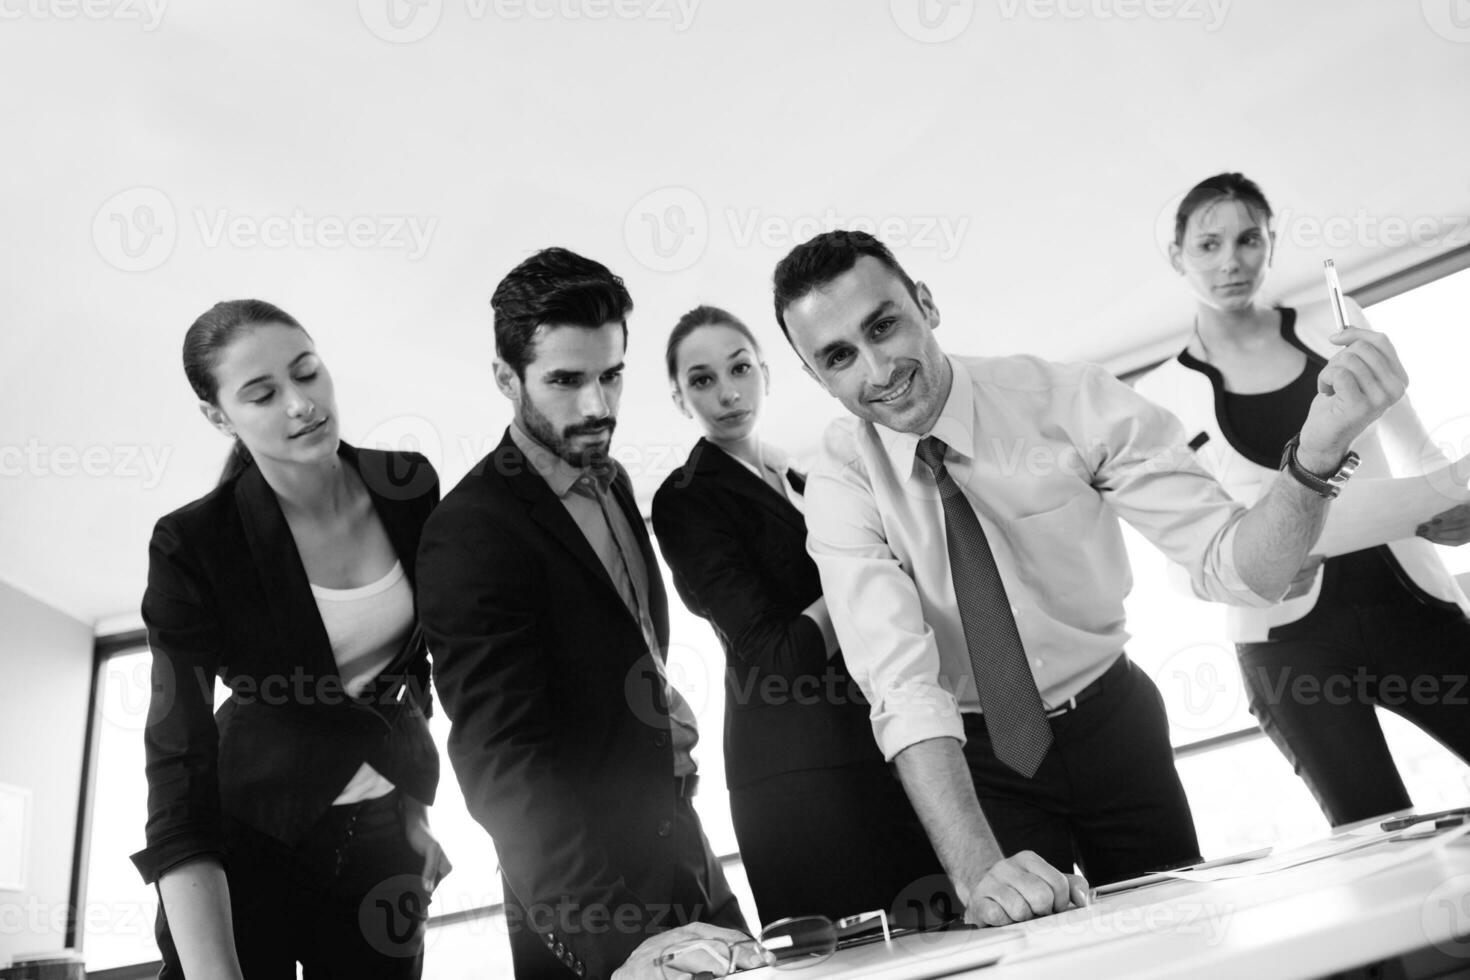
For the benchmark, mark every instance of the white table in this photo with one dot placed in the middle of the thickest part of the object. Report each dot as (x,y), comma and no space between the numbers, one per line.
(1399,905)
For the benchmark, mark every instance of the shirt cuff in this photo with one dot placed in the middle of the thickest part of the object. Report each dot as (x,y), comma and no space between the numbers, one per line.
(156,860)
(912,712)
(1227,577)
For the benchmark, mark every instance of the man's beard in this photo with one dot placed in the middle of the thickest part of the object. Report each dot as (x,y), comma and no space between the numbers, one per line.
(539,427)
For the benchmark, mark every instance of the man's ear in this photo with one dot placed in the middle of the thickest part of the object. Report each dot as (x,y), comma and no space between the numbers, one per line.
(766,373)
(507,381)
(216,418)
(678,397)
(1176,257)
(927,305)
(1271,255)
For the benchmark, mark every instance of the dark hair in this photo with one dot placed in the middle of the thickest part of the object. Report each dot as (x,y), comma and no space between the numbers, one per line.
(815,263)
(702,316)
(205,343)
(554,286)
(1221,187)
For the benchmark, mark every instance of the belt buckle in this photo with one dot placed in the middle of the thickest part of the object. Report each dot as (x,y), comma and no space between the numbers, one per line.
(1065,707)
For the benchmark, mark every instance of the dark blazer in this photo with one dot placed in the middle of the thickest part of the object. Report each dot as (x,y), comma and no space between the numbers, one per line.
(228,596)
(560,733)
(737,550)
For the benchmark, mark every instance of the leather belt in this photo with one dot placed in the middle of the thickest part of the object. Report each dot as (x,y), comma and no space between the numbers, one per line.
(1115,672)
(686,786)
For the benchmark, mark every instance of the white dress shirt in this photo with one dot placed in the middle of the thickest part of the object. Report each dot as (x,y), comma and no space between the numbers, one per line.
(1040,451)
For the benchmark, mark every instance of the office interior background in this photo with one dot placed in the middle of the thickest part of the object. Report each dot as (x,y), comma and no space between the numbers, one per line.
(374,167)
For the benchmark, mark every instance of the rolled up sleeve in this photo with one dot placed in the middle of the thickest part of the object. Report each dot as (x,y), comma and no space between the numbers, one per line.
(877,613)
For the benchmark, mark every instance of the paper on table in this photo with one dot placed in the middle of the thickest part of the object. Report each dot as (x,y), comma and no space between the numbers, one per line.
(1281,860)
(1372,512)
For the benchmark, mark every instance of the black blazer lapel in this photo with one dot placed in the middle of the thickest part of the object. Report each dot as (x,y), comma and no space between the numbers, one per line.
(713,462)
(282,576)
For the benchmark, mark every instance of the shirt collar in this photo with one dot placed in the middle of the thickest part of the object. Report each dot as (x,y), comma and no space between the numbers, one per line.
(955,426)
(559,475)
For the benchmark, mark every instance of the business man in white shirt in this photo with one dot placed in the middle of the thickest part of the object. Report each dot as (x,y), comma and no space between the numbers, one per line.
(965,524)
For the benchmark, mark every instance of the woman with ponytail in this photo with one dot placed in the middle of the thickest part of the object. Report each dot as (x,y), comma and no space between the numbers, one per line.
(1358,626)
(291,825)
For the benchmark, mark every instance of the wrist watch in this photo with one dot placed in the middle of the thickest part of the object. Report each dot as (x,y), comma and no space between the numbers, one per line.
(1329,486)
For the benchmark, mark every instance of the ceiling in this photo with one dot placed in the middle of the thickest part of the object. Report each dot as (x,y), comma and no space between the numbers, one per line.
(375,167)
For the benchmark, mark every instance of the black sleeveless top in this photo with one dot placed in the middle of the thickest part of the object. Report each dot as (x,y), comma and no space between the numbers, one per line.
(1259,427)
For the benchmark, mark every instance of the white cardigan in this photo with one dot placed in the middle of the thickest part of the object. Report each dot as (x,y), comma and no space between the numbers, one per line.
(1397,445)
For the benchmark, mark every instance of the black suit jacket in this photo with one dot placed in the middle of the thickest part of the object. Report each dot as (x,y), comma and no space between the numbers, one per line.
(228,596)
(560,734)
(737,551)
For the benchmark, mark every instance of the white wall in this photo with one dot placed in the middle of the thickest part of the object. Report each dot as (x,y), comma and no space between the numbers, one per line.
(47,661)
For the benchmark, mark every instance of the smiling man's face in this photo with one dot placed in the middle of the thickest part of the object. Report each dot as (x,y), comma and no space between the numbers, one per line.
(871,345)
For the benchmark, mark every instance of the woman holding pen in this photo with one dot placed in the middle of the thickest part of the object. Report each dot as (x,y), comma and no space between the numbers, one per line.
(290,826)
(823,824)
(1382,627)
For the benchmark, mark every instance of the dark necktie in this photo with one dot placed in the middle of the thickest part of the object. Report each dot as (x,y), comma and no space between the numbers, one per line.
(1014,716)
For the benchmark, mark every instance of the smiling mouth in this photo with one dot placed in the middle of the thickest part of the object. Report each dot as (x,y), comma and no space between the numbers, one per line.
(898,392)
(311,428)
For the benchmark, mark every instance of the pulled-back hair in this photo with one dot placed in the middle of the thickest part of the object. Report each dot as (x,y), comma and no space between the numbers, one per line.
(559,287)
(815,263)
(204,345)
(702,316)
(1221,187)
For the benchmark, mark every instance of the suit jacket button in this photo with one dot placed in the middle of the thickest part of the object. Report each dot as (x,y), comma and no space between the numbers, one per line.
(560,949)
(581,970)
(665,828)
(661,739)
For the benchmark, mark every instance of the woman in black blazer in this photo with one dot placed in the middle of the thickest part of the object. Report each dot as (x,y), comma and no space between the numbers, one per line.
(290,826)
(823,824)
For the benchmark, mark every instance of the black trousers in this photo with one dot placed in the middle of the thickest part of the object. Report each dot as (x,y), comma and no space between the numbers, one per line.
(834,842)
(701,893)
(1314,686)
(346,902)
(1107,797)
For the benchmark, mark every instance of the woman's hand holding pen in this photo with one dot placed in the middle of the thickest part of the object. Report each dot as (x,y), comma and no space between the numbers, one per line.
(1451,527)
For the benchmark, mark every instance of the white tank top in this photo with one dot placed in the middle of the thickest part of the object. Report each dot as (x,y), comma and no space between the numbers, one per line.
(366,626)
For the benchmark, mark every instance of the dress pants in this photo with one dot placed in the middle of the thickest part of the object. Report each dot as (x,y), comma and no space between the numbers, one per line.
(1314,686)
(1107,797)
(347,901)
(701,893)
